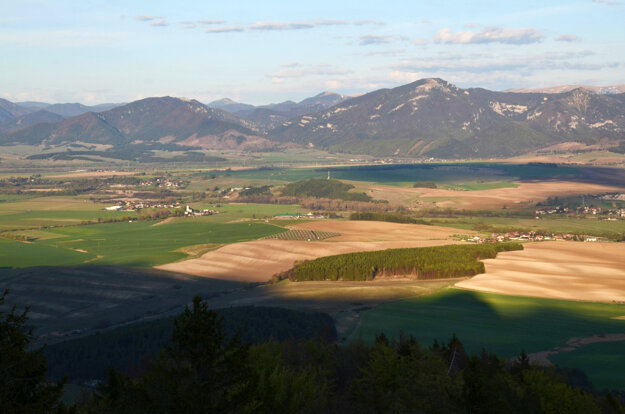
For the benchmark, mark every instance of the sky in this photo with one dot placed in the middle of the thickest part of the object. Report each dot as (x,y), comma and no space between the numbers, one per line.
(260,52)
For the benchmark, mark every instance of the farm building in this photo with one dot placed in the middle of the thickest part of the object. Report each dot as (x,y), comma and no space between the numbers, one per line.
(297,215)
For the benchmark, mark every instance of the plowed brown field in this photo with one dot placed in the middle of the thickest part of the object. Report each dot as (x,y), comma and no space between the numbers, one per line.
(259,260)
(557,270)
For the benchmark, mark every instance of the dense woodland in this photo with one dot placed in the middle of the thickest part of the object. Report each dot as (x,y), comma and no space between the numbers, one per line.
(203,370)
(421,263)
(333,189)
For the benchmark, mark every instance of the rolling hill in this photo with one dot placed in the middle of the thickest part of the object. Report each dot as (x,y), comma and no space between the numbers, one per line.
(29,119)
(165,120)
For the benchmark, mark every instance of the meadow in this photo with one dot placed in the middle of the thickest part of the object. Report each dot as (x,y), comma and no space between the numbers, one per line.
(502,324)
(28,212)
(603,363)
(138,243)
(548,224)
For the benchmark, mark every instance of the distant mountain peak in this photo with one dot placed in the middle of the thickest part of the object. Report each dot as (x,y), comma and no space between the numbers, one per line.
(327,93)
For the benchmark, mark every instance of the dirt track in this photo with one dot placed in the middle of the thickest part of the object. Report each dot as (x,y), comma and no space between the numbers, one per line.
(258,260)
(557,270)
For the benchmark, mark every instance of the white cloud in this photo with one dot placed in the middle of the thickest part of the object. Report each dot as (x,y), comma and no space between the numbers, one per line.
(298,25)
(468,64)
(491,34)
(374,40)
(420,42)
(208,22)
(224,29)
(568,38)
(368,22)
(159,23)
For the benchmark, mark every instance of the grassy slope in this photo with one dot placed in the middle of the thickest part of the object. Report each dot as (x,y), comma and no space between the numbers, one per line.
(130,244)
(19,254)
(502,324)
(602,362)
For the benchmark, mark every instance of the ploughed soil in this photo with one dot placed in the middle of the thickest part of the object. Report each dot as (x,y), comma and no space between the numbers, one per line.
(259,260)
(557,270)
(526,192)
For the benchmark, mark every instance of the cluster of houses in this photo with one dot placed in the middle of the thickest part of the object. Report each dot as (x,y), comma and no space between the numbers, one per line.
(133,206)
(529,236)
(190,212)
(582,210)
(291,216)
(163,182)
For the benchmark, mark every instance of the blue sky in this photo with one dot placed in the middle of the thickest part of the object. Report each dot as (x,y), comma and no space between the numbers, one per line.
(269,51)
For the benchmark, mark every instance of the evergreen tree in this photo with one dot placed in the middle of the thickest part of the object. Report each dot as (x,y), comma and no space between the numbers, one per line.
(23,384)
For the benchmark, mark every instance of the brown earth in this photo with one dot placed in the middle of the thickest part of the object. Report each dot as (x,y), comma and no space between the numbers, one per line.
(526,192)
(259,260)
(557,270)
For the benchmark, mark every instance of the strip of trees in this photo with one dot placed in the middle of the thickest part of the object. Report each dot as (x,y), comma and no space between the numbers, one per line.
(389,217)
(420,263)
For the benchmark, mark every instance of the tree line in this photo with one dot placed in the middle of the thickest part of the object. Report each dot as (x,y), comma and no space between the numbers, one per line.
(389,217)
(203,370)
(333,189)
(421,263)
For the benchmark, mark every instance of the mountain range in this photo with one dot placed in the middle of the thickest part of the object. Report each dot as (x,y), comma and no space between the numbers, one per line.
(601,90)
(266,117)
(426,118)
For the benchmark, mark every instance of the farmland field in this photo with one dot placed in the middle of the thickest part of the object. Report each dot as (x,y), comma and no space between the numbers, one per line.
(603,363)
(67,299)
(467,176)
(303,235)
(128,244)
(500,323)
(22,212)
(557,270)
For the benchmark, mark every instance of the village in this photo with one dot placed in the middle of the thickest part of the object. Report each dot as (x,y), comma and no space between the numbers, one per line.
(530,236)
(126,205)
(595,211)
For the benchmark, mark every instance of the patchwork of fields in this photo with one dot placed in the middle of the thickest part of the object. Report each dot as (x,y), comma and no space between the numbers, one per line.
(533,300)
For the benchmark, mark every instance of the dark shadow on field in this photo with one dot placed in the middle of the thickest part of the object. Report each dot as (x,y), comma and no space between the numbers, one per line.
(69,301)
(499,323)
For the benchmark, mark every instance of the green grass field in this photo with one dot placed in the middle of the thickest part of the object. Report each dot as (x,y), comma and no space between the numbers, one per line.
(501,324)
(19,254)
(550,224)
(603,363)
(231,212)
(127,244)
(35,212)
